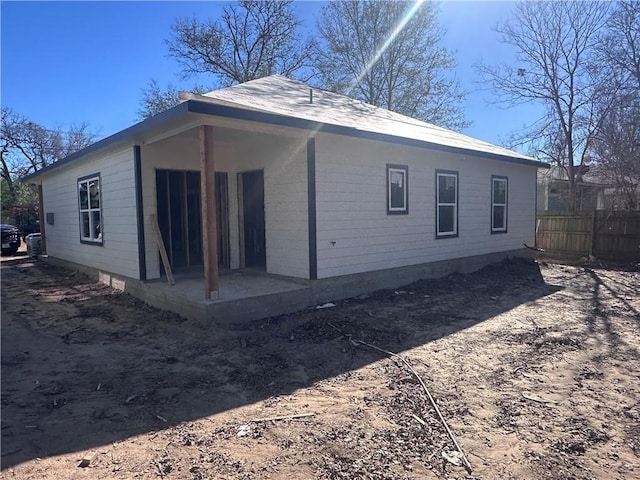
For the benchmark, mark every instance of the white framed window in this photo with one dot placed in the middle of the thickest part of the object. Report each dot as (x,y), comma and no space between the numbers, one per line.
(90,209)
(446,204)
(397,189)
(499,199)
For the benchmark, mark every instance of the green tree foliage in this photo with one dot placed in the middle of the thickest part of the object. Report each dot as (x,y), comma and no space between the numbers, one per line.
(19,202)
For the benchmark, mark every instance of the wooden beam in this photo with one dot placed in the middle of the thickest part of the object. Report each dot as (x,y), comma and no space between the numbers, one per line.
(163,251)
(41,219)
(209,223)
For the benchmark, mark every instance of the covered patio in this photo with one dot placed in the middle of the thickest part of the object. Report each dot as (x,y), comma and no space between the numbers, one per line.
(228,202)
(243,295)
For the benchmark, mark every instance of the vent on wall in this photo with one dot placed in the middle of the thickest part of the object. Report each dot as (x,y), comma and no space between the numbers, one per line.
(49,218)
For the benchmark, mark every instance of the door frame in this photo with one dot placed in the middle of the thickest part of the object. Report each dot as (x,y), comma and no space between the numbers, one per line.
(222,205)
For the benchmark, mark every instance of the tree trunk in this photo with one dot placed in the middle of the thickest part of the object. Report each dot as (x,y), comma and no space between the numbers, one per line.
(573,190)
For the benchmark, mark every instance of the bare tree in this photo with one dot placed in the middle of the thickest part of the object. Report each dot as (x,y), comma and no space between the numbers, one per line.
(616,145)
(252,39)
(27,147)
(557,67)
(620,46)
(156,100)
(388,53)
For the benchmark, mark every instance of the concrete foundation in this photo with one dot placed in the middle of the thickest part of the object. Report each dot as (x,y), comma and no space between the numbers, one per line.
(248,295)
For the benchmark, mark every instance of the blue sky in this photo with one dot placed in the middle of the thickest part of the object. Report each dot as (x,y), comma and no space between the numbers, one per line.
(65,63)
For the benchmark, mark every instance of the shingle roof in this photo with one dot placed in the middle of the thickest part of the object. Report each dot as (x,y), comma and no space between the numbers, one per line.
(282,96)
(280,100)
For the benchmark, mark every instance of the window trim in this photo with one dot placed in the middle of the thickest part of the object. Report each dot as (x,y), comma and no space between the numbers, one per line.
(500,178)
(455,232)
(87,179)
(404,169)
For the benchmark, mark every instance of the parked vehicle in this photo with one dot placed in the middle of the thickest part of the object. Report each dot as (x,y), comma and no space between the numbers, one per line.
(28,229)
(10,239)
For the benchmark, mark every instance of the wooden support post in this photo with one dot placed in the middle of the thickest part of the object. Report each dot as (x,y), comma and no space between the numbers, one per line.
(209,223)
(41,219)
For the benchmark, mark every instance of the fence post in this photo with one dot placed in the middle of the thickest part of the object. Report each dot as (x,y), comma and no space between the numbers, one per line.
(593,233)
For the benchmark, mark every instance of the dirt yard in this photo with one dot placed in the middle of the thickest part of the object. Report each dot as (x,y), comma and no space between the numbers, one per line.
(535,367)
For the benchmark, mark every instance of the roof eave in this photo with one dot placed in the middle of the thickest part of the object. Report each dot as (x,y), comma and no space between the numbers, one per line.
(233,112)
(122,136)
(207,108)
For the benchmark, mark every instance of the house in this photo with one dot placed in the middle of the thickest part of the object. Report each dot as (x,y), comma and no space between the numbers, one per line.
(553,190)
(596,189)
(272,177)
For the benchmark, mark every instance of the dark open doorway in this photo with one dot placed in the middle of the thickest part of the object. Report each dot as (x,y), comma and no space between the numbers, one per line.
(180,220)
(222,218)
(255,252)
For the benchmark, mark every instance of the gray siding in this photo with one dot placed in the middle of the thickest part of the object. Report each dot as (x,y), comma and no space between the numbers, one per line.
(119,252)
(356,235)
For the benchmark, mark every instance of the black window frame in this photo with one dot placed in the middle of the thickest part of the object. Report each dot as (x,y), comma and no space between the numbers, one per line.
(500,178)
(456,205)
(86,179)
(404,169)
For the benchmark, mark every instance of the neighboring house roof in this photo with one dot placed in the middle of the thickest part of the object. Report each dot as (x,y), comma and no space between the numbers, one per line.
(281,101)
(602,175)
(590,176)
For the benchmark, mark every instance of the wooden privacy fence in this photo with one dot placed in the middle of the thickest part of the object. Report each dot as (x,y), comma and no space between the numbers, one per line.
(603,234)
